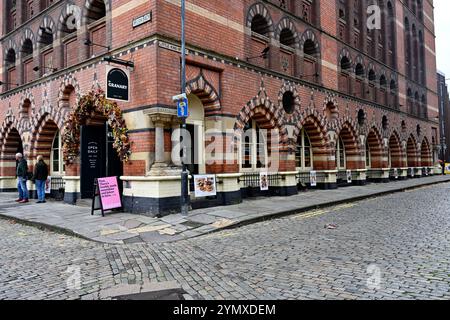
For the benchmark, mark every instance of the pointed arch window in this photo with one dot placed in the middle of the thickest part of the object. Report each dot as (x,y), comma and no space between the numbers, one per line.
(254,147)
(368,156)
(56,156)
(303,154)
(340,155)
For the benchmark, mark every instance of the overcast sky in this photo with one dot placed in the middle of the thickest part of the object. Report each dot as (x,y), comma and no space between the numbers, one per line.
(442,21)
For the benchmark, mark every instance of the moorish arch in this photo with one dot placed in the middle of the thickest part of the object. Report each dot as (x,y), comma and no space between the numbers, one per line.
(43,132)
(28,35)
(314,126)
(309,37)
(396,154)
(45,111)
(260,10)
(287,24)
(375,143)
(346,131)
(412,152)
(11,143)
(205,91)
(426,155)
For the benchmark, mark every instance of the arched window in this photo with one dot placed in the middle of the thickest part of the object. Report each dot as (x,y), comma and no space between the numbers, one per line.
(27,60)
(340,155)
(56,157)
(254,147)
(287,38)
(260,25)
(46,49)
(344,78)
(310,61)
(368,156)
(303,154)
(10,64)
(96,20)
(391,39)
(68,33)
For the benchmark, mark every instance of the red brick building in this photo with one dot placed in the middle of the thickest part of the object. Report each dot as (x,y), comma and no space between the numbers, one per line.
(339,94)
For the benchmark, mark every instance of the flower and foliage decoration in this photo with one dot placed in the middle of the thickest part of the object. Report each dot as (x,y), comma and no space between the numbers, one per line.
(92,104)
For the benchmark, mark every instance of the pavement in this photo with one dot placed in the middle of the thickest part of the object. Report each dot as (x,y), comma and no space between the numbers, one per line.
(389,247)
(120,228)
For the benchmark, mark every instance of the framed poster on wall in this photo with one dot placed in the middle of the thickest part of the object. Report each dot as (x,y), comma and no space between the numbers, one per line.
(313,178)
(205,186)
(263,181)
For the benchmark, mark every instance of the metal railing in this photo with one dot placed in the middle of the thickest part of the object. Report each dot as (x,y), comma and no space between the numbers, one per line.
(58,186)
(251,179)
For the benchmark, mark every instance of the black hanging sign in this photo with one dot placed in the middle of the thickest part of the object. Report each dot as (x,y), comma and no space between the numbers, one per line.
(118,84)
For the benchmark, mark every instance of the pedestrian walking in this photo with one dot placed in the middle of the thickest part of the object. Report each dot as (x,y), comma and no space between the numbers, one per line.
(22,178)
(40,176)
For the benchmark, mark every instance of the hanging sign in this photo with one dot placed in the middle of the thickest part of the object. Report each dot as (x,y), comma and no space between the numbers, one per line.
(106,195)
(313,178)
(117,83)
(205,186)
(349,176)
(263,181)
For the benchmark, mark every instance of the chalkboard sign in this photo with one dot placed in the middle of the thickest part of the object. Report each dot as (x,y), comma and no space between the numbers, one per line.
(106,195)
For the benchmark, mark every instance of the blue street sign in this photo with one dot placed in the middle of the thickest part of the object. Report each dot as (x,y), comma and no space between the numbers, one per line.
(183,108)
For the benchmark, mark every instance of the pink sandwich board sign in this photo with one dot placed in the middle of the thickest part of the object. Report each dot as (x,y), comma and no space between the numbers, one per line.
(107,191)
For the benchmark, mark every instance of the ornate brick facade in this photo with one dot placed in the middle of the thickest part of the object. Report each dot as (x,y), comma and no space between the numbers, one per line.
(340,95)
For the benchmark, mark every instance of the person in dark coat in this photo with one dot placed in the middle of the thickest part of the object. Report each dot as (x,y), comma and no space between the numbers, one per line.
(22,177)
(40,177)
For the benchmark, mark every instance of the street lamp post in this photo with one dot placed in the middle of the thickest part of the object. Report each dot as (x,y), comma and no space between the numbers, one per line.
(184,173)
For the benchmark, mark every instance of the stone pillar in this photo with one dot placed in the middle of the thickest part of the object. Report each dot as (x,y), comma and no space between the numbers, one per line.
(161,119)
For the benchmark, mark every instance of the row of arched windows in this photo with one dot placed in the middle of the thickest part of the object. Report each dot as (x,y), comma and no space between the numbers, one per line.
(32,53)
(414,52)
(417,104)
(357,80)
(377,37)
(298,53)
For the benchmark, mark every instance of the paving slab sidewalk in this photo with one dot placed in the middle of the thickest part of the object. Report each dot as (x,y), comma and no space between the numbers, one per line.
(130,228)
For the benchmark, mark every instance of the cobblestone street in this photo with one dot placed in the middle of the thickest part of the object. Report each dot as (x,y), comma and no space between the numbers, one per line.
(393,247)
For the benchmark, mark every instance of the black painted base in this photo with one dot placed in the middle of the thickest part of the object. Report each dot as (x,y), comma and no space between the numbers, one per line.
(71,197)
(380,180)
(327,186)
(9,190)
(359,182)
(222,199)
(152,207)
(272,192)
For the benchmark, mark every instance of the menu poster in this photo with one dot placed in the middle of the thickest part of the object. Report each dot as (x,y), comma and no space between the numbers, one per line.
(264,181)
(313,178)
(48,185)
(205,186)
(109,193)
(349,176)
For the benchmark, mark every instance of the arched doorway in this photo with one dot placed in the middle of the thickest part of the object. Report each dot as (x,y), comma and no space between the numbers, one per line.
(374,150)
(347,154)
(396,158)
(195,125)
(411,154)
(98,158)
(426,157)
(12,144)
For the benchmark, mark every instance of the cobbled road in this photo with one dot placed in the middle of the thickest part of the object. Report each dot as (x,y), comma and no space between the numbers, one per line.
(393,247)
